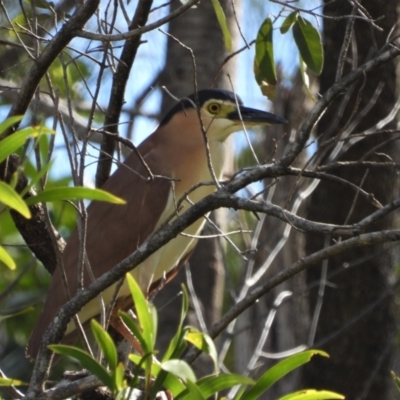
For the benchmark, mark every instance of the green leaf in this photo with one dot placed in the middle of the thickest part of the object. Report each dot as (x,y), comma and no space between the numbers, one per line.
(278,371)
(74,193)
(289,21)
(177,343)
(179,368)
(12,199)
(264,64)
(306,79)
(6,259)
(9,122)
(87,362)
(195,393)
(105,343)
(173,384)
(119,376)
(312,394)
(11,382)
(396,380)
(132,325)
(143,312)
(308,41)
(174,350)
(203,342)
(213,384)
(13,142)
(219,12)
(37,176)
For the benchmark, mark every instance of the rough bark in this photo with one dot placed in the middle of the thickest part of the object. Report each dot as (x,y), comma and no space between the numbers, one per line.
(361,352)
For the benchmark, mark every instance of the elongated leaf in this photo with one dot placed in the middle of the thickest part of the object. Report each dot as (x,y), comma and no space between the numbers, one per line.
(278,371)
(311,394)
(173,384)
(119,376)
(142,310)
(12,199)
(177,343)
(289,21)
(105,343)
(211,385)
(6,259)
(174,350)
(306,79)
(14,314)
(308,41)
(396,380)
(195,393)
(179,368)
(203,342)
(11,382)
(13,142)
(87,362)
(9,122)
(264,63)
(137,332)
(35,179)
(219,12)
(265,53)
(74,193)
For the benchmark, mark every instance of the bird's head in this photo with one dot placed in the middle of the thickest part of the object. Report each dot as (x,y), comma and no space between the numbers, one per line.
(222,113)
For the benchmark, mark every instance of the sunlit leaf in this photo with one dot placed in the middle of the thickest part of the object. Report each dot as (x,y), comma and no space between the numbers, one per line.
(289,21)
(11,382)
(195,393)
(179,368)
(203,342)
(105,343)
(74,193)
(312,394)
(305,78)
(308,41)
(9,122)
(213,384)
(12,199)
(13,142)
(219,12)
(143,313)
(278,371)
(6,259)
(119,376)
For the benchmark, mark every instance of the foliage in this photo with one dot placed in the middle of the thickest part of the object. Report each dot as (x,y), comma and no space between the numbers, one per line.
(171,372)
(308,42)
(70,60)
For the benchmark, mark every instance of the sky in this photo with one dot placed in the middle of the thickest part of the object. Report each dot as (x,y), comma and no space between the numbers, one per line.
(150,59)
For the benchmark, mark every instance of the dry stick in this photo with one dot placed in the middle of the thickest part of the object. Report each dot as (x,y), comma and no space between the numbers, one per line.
(368,239)
(49,54)
(116,101)
(139,31)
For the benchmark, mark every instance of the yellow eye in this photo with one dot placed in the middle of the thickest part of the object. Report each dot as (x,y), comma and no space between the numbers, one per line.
(214,108)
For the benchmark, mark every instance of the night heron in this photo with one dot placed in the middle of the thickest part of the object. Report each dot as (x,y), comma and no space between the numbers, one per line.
(177,157)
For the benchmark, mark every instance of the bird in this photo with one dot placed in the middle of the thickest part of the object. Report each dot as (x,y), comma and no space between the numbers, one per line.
(173,160)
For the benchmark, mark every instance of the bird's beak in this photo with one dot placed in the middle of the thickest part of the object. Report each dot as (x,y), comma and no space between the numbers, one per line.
(252,117)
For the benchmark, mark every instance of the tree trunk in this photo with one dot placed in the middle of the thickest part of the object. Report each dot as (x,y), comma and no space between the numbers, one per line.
(360,340)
